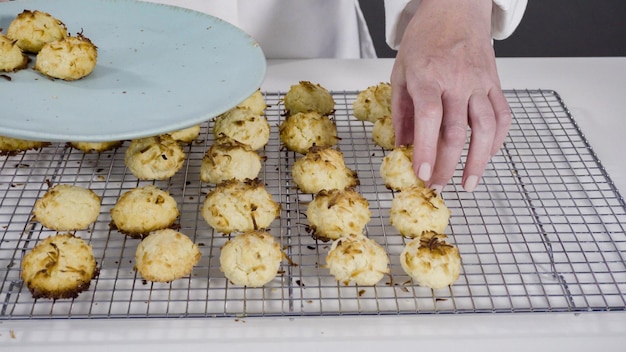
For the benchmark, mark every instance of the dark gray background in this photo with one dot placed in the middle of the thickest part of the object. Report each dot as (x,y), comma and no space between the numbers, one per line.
(559,28)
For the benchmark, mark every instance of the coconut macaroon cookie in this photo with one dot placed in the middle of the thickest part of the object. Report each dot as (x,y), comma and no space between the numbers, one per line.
(142,210)
(11,56)
(431,261)
(166,255)
(383,133)
(67,208)
(255,102)
(13,146)
(60,266)
(337,213)
(69,59)
(244,126)
(186,135)
(396,169)
(301,131)
(33,29)
(373,103)
(154,158)
(357,259)
(239,206)
(227,159)
(306,96)
(417,210)
(97,147)
(322,168)
(251,259)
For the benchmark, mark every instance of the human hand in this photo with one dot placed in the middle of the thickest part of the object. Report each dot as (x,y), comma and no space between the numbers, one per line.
(445,80)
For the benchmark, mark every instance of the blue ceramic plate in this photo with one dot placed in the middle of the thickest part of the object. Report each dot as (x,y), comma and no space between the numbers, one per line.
(160,68)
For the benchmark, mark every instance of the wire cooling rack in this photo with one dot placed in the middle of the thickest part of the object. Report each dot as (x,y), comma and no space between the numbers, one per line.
(543,233)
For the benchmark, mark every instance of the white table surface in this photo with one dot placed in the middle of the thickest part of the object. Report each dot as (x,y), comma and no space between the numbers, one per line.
(594,90)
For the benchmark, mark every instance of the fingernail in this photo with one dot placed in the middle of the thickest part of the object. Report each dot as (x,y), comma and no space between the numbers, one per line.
(438,188)
(471,182)
(424,172)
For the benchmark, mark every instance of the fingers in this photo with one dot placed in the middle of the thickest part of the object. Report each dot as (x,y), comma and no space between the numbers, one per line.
(401,108)
(428,112)
(440,134)
(502,113)
(402,115)
(484,125)
(452,137)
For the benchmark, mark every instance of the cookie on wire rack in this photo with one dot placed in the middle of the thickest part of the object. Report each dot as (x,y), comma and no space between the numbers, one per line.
(142,210)
(243,125)
(383,134)
(97,147)
(337,213)
(373,103)
(12,146)
(301,131)
(227,159)
(323,168)
(60,266)
(251,259)
(166,255)
(255,102)
(431,261)
(357,259)
(154,158)
(239,206)
(67,208)
(417,210)
(306,96)
(396,169)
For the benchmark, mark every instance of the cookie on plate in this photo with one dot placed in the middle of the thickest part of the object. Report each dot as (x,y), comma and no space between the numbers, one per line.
(431,261)
(417,210)
(154,158)
(301,131)
(239,206)
(306,96)
(33,29)
(67,208)
(166,255)
(243,125)
(396,169)
(322,168)
(13,146)
(251,259)
(11,56)
(69,59)
(60,266)
(357,259)
(337,213)
(373,103)
(143,210)
(383,133)
(97,147)
(227,159)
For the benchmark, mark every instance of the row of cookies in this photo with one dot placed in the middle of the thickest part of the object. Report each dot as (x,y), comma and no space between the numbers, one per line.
(239,205)
(417,212)
(338,212)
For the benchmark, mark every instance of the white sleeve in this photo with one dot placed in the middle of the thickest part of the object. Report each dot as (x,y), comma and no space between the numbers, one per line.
(505,17)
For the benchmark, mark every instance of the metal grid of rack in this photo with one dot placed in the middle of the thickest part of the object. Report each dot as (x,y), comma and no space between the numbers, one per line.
(543,233)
